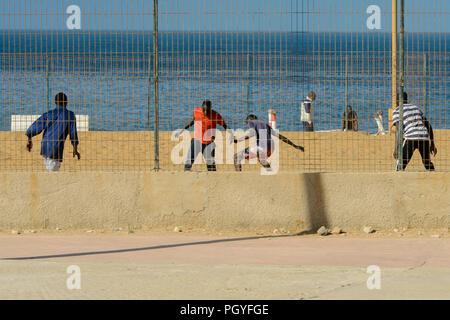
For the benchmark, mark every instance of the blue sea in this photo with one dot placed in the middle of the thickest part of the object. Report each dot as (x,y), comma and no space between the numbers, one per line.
(109,76)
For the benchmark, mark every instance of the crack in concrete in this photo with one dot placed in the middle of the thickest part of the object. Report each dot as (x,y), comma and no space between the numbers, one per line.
(384,278)
(418,266)
(331,290)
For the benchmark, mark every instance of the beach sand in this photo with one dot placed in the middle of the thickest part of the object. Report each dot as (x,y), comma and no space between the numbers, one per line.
(334,151)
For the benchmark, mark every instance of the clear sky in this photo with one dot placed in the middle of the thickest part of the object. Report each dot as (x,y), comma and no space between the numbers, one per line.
(222,15)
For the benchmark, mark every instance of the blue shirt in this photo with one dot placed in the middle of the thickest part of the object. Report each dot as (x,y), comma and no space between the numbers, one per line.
(56,124)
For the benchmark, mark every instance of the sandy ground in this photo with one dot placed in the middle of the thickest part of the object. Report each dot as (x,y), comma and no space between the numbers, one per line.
(182,266)
(325,152)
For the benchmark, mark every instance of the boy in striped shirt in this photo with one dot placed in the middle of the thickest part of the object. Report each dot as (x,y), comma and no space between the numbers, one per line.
(418,134)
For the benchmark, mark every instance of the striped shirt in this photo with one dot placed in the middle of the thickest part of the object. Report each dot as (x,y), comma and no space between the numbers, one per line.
(414,129)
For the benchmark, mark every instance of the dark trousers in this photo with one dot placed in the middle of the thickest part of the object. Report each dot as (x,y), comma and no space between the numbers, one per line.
(307,127)
(409,146)
(208,151)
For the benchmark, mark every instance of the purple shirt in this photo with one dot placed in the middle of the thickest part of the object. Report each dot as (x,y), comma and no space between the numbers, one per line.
(263,133)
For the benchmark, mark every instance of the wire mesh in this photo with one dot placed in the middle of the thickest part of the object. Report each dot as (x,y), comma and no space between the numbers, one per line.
(246,57)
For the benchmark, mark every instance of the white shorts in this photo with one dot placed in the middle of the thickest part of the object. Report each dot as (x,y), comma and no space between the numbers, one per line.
(253,152)
(52,165)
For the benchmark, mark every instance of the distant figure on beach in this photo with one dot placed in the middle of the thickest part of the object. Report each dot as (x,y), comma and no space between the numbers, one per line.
(351,123)
(378,116)
(264,143)
(205,121)
(56,124)
(307,112)
(418,134)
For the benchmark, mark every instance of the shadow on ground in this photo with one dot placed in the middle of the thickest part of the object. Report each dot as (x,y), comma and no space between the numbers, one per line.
(167,246)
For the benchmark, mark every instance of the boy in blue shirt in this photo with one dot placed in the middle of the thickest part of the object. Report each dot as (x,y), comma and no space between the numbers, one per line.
(57,124)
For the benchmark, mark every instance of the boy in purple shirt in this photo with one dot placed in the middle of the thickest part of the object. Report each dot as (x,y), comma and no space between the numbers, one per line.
(264,143)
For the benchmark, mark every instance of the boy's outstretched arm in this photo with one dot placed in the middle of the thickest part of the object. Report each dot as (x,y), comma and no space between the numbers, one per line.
(29,144)
(289,142)
(74,137)
(36,128)
(427,124)
(179,131)
(190,124)
(247,135)
(224,125)
(355,123)
(395,153)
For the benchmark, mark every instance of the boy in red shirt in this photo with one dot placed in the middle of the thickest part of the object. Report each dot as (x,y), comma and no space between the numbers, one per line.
(205,121)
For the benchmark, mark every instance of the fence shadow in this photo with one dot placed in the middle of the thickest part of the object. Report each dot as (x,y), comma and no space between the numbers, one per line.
(165,246)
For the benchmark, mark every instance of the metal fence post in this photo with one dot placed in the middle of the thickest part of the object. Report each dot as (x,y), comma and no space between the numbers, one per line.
(394,60)
(150,62)
(47,75)
(248,84)
(346,93)
(402,86)
(425,84)
(156,82)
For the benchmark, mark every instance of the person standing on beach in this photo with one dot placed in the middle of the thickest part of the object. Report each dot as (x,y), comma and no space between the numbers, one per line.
(264,143)
(350,120)
(205,122)
(57,124)
(307,112)
(418,134)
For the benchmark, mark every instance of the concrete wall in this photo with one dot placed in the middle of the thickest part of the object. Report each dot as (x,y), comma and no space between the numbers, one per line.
(217,201)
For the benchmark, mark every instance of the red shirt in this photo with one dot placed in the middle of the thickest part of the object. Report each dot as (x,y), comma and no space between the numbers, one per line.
(205,126)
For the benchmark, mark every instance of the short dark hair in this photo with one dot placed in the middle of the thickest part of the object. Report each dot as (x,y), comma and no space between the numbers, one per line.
(206,103)
(252,117)
(60,99)
(405,97)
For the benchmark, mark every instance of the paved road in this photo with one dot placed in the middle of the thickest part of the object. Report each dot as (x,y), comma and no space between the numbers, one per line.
(201,267)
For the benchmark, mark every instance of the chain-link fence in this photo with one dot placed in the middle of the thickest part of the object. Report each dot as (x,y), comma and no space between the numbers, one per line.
(246,57)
